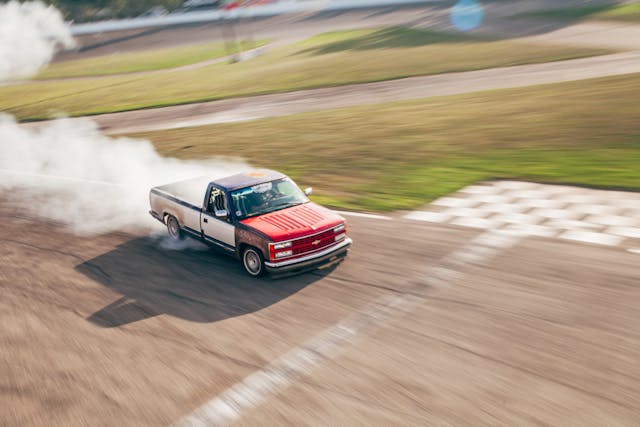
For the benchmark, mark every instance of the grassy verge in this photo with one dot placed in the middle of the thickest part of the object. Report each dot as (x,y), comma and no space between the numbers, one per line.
(148,60)
(622,12)
(400,155)
(328,60)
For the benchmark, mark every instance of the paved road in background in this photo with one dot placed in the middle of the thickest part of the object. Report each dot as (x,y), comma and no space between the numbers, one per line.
(264,106)
(612,35)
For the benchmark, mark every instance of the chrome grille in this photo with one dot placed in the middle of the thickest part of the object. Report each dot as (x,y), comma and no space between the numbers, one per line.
(312,243)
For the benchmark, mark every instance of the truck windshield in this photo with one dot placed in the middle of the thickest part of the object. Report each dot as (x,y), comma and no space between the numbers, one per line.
(266,197)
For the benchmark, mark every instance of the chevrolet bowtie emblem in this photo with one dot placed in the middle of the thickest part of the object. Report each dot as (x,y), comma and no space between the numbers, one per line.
(315,242)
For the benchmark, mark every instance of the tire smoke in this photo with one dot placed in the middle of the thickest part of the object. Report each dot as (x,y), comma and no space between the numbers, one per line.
(30,33)
(71,173)
(67,171)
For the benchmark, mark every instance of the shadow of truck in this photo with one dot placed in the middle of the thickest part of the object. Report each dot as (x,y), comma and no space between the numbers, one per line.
(198,285)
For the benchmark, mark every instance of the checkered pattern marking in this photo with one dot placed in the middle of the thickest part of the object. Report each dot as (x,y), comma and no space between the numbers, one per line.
(586,215)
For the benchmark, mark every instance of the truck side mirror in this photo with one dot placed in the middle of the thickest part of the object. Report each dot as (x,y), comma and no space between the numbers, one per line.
(222,213)
(308,191)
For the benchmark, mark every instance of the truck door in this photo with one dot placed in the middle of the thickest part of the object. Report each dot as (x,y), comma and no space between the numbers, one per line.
(215,222)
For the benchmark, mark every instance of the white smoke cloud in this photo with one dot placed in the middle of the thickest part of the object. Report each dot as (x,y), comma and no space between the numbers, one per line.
(30,33)
(67,171)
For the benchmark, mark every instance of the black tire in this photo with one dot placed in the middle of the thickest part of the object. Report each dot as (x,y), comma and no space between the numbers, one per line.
(173,227)
(253,261)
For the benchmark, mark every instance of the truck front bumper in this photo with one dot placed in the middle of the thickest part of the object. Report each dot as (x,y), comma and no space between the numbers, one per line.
(323,258)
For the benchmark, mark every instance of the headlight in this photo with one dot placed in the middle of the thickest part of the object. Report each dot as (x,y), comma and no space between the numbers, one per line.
(282,245)
(340,237)
(284,254)
(339,228)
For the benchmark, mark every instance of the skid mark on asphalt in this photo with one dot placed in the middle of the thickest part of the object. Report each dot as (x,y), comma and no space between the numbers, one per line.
(255,389)
(609,218)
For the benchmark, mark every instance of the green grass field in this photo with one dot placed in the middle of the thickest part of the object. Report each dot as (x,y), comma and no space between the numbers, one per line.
(327,60)
(401,155)
(622,12)
(149,60)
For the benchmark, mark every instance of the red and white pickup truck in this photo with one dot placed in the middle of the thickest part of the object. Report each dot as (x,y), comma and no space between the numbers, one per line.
(261,217)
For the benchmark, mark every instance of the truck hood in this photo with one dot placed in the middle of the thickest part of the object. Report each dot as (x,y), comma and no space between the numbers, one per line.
(294,222)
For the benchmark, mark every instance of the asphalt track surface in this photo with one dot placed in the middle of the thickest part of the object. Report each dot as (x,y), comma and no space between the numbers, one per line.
(423,324)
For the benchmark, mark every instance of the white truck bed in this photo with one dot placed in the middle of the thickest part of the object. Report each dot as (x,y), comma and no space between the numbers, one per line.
(182,199)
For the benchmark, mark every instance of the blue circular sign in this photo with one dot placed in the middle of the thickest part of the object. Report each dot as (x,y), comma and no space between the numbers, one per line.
(466,15)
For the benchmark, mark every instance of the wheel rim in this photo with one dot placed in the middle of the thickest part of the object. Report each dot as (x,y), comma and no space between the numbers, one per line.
(252,262)
(173,227)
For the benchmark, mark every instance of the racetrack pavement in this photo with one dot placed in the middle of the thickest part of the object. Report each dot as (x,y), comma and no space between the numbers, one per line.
(119,327)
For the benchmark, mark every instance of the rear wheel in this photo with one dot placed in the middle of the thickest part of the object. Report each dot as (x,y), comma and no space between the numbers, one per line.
(173,227)
(253,261)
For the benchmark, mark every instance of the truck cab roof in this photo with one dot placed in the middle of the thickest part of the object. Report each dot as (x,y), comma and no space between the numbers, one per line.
(192,191)
(247,179)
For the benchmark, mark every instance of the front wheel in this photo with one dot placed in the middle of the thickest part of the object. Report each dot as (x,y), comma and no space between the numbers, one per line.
(253,261)
(173,227)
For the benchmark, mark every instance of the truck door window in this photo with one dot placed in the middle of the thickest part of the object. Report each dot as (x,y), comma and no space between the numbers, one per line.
(217,203)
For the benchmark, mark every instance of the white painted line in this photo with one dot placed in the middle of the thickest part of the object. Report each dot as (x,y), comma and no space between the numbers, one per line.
(58,177)
(514,207)
(579,198)
(255,389)
(498,239)
(514,185)
(632,232)
(571,224)
(444,274)
(591,237)
(558,190)
(428,216)
(628,203)
(518,218)
(480,189)
(529,194)
(475,256)
(542,203)
(483,223)
(467,212)
(613,220)
(556,213)
(594,209)
(363,215)
(454,202)
(533,230)
(490,198)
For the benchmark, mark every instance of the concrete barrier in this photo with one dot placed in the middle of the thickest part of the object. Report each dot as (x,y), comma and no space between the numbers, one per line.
(272,9)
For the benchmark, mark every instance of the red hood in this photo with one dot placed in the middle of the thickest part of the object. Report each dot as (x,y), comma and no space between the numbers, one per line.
(294,222)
